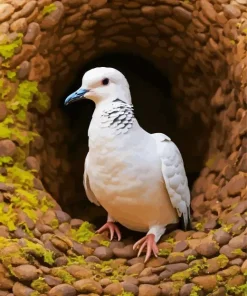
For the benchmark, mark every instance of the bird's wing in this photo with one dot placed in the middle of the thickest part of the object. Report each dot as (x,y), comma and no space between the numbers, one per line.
(174,175)
(86,183)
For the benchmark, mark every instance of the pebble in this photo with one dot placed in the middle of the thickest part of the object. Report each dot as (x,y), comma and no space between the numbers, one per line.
(88,286)
(103,253)
(63,290)
(6,11)
(135,269)
(26,272)
(149,290)
(7,148)
(126,252)
(113,289)
(3,111)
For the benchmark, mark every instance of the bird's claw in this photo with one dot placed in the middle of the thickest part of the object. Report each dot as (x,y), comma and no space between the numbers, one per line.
(112,228)
(149,242)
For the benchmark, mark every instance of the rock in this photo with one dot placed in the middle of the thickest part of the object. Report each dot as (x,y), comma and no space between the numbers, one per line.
(238,242)
(7,148)
(126,252)
(96,4)
(52,280)
(113,289)
(236,184)
(21,290)
(62,290)
(3,111)
(93,259)
(19,26)
(23,70)
(131,288)
(231,11)
(62,217)
(156,262)
(39,68)
(4,232)
(208,10)
(180,246)
(32,163)
(88,286)
(176,257)
(149,290)
(151,279)
(135,269)
(5,283)
(186,289)
(182,14)
(53,18)
(26,272)
(102,13)
(6,11)
(244,266)
(242,164)
(207,249)
(79,272)
(230,271)
(26,53)
(33,31)
(103,253)
(221,237)
(177,267)
(207,282)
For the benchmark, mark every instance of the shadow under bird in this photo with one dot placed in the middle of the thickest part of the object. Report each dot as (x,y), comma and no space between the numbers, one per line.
(137,177)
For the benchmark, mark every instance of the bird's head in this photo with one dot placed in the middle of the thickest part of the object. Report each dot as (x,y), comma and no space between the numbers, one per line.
(102,85)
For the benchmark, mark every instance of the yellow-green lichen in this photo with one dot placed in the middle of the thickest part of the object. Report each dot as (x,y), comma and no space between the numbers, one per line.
(194,291)
(7,48)
(73,260)
(8,216)
(40,285)
(63,275)
(11,75)
(48,9)
(105,243)
(164,252)
(239,290)
(126,294)
(199,226)
(191,257)
(222,260)
(20,177)
(5,160)
(84,233)
(238,252)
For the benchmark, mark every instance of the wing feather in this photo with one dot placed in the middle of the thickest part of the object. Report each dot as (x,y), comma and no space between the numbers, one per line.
(174,175)
(86,183)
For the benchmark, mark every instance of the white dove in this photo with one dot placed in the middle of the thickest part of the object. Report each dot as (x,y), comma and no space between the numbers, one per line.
(139,178)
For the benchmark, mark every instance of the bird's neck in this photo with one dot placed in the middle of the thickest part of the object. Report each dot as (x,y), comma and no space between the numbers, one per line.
(116,115)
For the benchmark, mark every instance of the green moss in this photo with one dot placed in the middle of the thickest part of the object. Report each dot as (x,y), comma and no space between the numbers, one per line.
(54,223)
(194,291)
(39,251)
(5,132)
(192,271)
(20,177)
(72,260)
(63,275)
(105,243)
(222,260)
(240,290)
(164,252)
(84,233)
(35,293)
(238,252)
(170,240)
(227,227)
(7,49)
(191,257)
(199,226)
(4,89)
(46,204)
(126,294)
(5,160)
(42,104)
(48,9)
(11,75)
(8,216)
(40,285)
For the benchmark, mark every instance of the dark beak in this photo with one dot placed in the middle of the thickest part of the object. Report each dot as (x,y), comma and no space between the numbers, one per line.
(76,96)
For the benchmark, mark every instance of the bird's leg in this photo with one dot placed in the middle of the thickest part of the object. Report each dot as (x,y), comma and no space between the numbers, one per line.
(111,227)
(149,242)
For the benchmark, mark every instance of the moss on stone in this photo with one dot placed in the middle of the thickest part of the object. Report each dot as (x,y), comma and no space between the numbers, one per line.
(239,290)
(222,260)
(191,258)
(5,160)
(48,9)
(164,252)
(84,233)
(40,285)
(194,291)
(63,275)
(126,294)
(238,252)
(73,260)
(105,243)
(8,216)
(11,75)
(7,48)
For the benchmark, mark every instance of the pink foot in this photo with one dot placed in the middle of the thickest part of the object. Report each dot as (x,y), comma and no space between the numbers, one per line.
(112,229)
(149,242)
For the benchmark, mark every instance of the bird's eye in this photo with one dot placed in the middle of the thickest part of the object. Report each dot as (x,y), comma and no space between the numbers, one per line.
(105,81)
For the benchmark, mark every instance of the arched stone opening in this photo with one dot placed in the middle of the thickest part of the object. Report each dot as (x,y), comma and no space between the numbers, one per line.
(200,46)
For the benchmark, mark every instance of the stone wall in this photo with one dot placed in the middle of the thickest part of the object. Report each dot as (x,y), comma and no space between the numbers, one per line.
(42,45)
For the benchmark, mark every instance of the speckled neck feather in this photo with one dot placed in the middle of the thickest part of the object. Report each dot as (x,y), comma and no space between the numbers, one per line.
(119,116)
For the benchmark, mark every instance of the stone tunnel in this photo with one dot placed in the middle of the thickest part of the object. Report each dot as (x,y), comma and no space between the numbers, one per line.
(186,62)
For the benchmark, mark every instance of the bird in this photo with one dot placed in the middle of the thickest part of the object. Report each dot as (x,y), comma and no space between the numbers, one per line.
(137,177)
